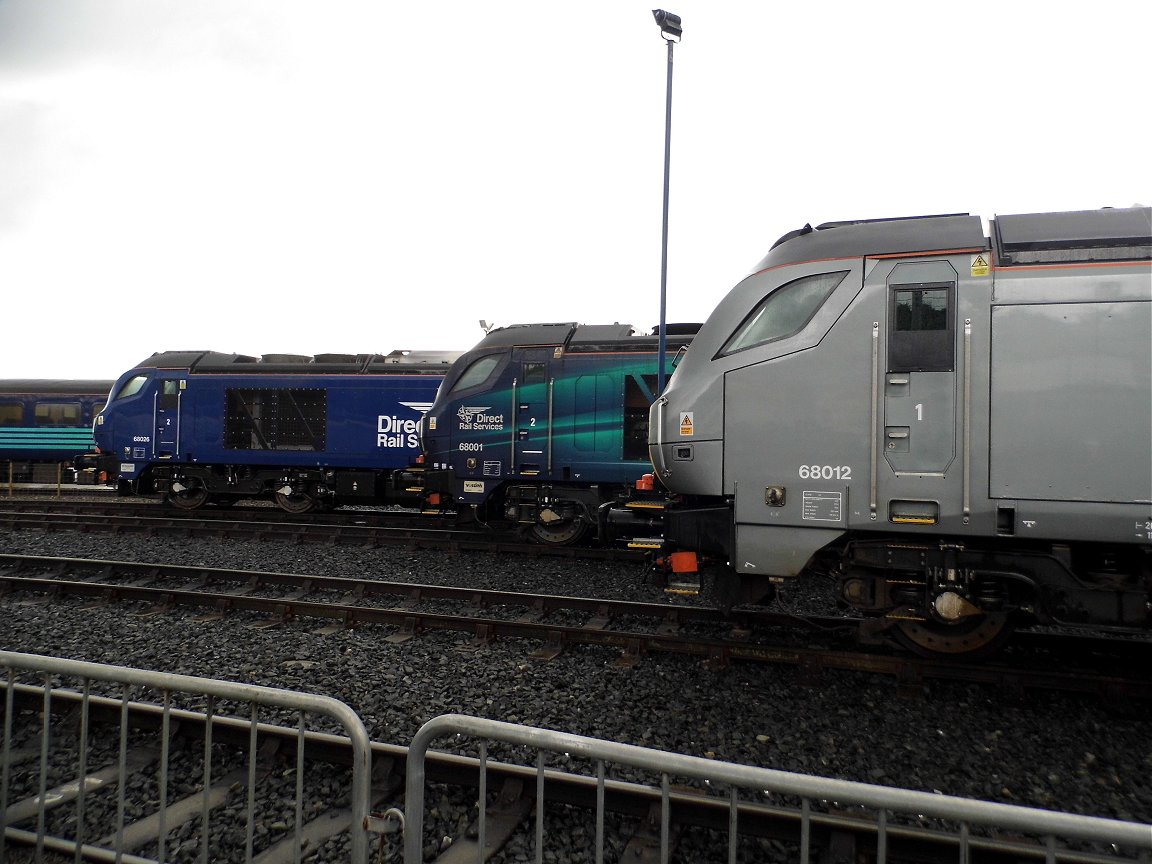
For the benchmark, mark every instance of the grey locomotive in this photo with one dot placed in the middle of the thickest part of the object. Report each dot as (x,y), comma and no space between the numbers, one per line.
(956,428)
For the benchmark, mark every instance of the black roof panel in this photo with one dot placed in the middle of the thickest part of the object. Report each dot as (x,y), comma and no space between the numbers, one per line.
(1113,234)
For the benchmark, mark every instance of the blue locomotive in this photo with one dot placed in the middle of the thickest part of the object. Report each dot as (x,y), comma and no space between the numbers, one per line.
(955,429)
(546,426)
(46,421)
(308,432)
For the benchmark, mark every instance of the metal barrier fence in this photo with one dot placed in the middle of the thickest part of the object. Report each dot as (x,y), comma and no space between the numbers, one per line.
(27,472)
(166,684)
(881,801)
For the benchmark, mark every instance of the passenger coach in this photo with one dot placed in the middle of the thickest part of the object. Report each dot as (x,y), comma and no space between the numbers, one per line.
(46,421)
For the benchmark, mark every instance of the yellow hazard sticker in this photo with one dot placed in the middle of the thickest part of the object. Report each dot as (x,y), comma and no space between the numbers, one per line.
(686,425)
(980,265)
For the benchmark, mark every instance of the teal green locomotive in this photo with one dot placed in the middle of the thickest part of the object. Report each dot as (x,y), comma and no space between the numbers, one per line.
(545,426)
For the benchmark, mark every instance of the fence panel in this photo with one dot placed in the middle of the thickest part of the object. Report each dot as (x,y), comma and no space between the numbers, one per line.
(161,823)
(883,803)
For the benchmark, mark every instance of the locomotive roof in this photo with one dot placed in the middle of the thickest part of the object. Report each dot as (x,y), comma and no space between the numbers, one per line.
(1113,234)
(583,337)
(216,362)
(53,386)
(876,237)
(1085,235)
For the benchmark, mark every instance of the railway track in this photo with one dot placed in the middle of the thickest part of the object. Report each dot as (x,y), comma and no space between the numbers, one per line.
(552,623)
(363,528)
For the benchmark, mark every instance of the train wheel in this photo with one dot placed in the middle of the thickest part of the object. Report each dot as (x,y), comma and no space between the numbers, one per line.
(978,636)
(563,533)
(189,497)
(296,502)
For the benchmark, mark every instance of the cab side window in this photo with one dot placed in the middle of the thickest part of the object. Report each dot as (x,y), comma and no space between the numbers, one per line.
(921,326)
(477,373)
(11,415)
(132,386)
(785,311)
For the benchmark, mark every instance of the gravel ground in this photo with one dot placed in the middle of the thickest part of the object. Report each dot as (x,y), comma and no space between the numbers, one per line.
(1043,750)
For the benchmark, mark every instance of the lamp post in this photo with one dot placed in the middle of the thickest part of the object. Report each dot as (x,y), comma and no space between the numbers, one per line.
(671,31)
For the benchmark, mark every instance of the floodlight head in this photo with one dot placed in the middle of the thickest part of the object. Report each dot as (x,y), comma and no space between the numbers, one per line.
(669,25)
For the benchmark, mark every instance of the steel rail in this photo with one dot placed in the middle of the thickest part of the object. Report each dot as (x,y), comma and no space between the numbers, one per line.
(347,532)
(911,672)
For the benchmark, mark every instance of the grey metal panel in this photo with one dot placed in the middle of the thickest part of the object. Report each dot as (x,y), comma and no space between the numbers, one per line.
(795,416)
(601,333)
(920,421)
(701,468)
(1071,403)
(697,384)
(1115,283)
(778,551)
(881,237)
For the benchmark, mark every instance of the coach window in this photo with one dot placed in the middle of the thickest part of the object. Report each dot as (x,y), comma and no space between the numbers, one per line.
(921,334)
(11,415)
(477,373)
(57,413)
(132,386)
(785,311)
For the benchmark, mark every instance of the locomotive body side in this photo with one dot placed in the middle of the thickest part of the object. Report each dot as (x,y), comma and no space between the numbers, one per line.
(205,427)
(542,425)
(959,429)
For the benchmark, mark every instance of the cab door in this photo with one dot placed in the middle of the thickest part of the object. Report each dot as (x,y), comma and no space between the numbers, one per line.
(532,420)
(919,382)
(167,412)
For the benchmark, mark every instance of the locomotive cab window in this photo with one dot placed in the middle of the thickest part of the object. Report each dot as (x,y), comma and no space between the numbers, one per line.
(132,386)
(477,373)
(11,415)
(921,328)
(785,311)
(169,393)
(534,373)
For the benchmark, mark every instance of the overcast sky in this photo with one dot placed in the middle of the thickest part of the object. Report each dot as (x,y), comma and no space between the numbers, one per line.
(288,177)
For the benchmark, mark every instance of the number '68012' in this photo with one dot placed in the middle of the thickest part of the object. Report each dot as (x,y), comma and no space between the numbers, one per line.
(825,472)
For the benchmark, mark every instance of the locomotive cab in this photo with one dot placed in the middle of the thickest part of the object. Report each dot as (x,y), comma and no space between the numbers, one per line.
(544,426)
(918,412)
